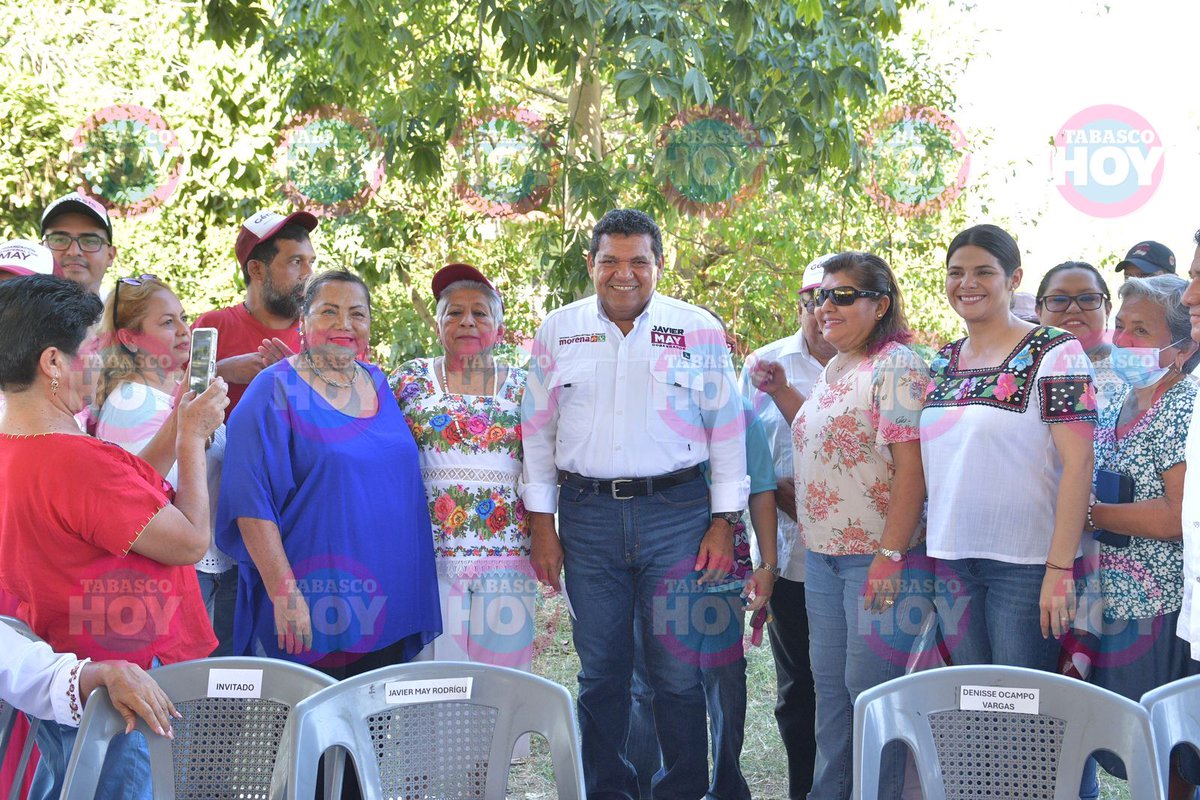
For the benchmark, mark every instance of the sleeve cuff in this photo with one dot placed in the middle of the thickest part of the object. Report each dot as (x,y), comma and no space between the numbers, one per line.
(540,498)
(64,691)
(729,496)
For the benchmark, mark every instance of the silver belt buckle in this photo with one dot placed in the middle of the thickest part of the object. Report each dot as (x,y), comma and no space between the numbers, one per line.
(613,488)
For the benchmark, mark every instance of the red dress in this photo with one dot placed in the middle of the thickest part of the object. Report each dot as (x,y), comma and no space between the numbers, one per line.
(71,508)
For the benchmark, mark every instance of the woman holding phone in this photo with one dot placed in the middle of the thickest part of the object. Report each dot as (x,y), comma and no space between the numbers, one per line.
(146,347)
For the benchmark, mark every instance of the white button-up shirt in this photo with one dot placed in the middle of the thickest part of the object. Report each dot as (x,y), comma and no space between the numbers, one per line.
(34,678)
(802,370)
(1189,613)
(608,405)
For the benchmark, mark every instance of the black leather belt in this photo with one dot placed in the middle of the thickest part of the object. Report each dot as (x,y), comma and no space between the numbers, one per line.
(627,488)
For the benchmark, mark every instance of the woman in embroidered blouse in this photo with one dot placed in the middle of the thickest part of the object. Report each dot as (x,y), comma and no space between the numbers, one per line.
(859,489)
(464,411)
(88,532)
(1074,296)
(147,345)
(1006,437)
(1142,435)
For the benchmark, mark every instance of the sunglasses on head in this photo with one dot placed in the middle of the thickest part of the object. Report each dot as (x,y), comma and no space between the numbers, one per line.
(1088,301)
(138,281)
(845,295)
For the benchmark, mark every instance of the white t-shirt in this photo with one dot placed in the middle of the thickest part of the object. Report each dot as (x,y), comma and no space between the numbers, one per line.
(132,413)
(991,468)
(1189,613)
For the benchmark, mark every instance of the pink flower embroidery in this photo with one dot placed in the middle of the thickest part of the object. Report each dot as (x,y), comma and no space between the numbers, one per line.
(443,506)
(1006,386)
(819,498)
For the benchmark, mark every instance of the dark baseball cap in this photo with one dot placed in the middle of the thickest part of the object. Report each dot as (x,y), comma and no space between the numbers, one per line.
(1149,257)
(80,204)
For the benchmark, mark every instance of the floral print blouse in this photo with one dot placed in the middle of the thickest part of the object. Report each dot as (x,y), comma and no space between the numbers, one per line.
(470,450)
(841,438)
(1144,579)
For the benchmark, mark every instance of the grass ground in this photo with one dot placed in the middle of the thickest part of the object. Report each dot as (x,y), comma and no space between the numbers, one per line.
(763,762)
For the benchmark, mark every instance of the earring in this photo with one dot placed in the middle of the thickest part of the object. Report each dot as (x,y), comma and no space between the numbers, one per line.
(54,385)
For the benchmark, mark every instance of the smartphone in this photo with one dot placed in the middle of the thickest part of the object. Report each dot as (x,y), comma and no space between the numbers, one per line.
(203,367)
(1113,487)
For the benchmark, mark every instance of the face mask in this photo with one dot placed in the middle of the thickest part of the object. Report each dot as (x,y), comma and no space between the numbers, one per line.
(1138,366)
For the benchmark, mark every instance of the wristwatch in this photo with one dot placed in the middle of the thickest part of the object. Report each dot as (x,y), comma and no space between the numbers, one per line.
(891,555)
(732,517)
(771,568)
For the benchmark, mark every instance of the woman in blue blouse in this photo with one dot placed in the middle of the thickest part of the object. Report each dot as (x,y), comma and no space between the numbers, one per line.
(322,502)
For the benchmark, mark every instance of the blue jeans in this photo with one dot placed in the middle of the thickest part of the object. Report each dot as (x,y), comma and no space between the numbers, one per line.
(219,590)
(125,775)
(990,613)
(852,650)
(621,559)
(725,694)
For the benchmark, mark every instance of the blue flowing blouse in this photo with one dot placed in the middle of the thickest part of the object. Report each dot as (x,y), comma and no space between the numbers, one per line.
(347,497)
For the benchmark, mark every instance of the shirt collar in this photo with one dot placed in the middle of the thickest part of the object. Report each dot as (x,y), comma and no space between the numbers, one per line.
(645,311)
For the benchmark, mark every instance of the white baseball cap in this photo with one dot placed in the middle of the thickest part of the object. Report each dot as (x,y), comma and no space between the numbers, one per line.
(814,273)
(81,203)
(23,257)
(265,224)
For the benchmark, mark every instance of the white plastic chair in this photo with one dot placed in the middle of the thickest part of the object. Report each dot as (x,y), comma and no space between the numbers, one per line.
(8,720)
(1174,712)
(452,748)
(223,747)
(999,754)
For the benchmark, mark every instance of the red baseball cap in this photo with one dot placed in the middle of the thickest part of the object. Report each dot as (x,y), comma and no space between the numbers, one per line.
(265,224)
(459,272)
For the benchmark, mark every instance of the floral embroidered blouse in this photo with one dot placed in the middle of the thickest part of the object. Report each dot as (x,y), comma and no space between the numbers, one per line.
(991,468)
(470,451)
(841,438)
(1144,579)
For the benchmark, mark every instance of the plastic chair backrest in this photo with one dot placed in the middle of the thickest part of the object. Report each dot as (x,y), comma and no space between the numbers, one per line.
(8,720)
(1175,719)
(234,728)
(982,752)
(408,743)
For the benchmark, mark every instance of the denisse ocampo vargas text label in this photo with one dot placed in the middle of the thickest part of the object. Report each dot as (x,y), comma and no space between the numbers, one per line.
(1108,161)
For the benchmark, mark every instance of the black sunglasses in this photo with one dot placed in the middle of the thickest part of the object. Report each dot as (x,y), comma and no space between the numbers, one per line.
(138,281)
(845,295)
(1058,303)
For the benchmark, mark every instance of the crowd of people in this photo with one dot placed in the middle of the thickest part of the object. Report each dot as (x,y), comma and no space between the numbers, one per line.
(1019,497)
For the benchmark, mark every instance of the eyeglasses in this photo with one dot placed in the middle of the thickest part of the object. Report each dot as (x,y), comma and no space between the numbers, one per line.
(88,242)
(808,300)
(138,281)
(1061,302)
(845,295)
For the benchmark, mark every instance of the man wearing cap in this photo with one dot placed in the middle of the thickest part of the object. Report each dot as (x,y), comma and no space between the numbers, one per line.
(78,231)
(803,354)
(276,258)
(1147,258)
(628,393)
(22,257)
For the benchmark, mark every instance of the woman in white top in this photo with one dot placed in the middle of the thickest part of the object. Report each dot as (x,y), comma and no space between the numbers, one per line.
(147,345)
(1006,442)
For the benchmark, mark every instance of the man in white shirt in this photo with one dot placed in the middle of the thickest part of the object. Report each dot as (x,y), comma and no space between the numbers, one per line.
(803,354)
(1189,614)
(629,392)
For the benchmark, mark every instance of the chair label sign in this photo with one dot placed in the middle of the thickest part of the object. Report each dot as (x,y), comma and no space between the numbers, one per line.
(404,693)
(241,683)
(999,698)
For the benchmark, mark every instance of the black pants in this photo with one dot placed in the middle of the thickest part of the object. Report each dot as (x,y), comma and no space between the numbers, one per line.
(796,706)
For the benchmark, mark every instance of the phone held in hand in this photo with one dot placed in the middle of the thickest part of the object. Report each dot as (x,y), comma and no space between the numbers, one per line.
(1112,487)
(203,367)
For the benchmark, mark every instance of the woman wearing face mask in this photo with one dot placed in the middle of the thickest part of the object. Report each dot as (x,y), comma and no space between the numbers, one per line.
(1141,435)
(1006,441)
(1073,296)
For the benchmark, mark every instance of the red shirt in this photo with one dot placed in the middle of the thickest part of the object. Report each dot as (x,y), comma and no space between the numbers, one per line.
(70,510)
(238,333)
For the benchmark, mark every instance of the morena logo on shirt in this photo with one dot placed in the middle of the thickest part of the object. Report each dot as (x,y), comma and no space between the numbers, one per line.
(490,611)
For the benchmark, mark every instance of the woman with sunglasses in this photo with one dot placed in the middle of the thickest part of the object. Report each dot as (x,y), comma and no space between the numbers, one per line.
(1006,438)
(859,494)
(1073,296)
(146,346)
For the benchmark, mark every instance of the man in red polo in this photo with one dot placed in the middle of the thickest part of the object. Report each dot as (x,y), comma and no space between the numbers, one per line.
(276,258)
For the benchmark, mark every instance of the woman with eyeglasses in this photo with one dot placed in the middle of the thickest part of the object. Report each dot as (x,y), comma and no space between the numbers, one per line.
(1006,438)
(859,495)
(97,547)
(1141,435)
(146,346)
(1074,296)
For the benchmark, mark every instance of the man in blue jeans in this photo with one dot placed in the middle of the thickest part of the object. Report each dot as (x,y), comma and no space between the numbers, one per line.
(629,392)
